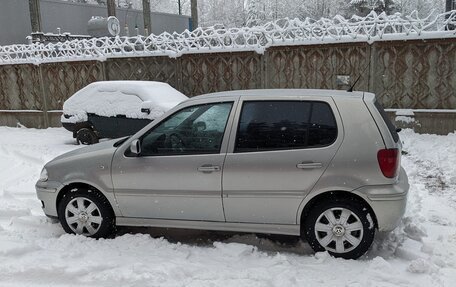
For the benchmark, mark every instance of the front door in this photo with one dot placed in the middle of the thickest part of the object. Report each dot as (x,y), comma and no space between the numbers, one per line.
(178,172)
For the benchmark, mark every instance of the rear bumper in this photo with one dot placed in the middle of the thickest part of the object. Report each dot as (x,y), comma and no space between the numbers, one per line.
(389,212)
(388,201)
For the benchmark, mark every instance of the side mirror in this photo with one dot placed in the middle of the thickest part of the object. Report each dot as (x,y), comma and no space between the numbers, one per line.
(147,107)
(135,147)
(145,110)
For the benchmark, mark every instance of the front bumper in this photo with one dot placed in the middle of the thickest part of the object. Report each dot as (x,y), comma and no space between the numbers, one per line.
(69,126)
(47,192)
(388,201)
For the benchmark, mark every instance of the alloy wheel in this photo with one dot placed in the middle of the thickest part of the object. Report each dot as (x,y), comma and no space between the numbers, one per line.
(83,216)
(339,230)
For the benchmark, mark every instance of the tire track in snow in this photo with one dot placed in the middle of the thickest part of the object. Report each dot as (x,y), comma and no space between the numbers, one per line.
(19,171)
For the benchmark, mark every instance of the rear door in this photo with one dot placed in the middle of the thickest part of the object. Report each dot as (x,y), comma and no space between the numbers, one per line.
(279,150)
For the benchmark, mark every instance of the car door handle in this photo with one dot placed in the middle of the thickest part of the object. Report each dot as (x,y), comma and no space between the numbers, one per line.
(208,168)
(309,165)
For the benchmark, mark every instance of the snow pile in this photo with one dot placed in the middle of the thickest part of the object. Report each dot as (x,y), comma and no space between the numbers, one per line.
(405,115)
(35,251)
(373,27)
(121,98)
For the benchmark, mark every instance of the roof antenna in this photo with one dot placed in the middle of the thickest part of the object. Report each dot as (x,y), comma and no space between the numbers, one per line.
(357,79)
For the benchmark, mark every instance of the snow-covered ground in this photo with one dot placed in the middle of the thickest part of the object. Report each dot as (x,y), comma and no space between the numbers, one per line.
(34,251)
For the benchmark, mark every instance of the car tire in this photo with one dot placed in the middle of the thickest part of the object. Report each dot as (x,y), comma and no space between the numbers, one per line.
(344,227)
(86,212)
(86,136)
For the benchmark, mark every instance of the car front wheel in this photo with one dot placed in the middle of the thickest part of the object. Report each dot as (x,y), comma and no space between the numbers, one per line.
(343,227)
(86,136)
(87,213)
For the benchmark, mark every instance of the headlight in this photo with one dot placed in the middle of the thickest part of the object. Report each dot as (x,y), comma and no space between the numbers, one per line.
(44,175)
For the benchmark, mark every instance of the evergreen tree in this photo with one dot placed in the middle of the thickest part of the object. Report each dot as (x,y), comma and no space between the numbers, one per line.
(364,7)
(253,13)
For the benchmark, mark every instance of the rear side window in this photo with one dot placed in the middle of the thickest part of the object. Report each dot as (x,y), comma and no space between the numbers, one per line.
(279,125)
(390,125)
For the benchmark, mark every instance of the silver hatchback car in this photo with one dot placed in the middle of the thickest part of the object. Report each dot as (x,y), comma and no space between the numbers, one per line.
(321,164)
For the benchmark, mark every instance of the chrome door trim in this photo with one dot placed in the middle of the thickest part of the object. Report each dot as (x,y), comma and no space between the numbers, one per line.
(298,194)
(168,193)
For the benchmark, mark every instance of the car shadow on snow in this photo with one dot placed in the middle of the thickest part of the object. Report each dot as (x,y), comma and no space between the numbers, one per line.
(385,243)
(206,238)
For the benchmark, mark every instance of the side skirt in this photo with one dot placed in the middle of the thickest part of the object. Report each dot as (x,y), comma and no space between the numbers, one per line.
(284,229)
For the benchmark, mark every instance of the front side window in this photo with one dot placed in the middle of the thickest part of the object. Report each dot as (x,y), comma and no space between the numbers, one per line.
(192,130)
(280,125)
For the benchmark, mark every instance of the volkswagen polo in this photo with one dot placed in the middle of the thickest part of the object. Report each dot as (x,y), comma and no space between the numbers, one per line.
(320,164)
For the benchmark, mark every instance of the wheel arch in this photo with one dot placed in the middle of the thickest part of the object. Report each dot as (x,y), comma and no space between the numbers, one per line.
(334,196)
(81,125)
(80,185)
(94,136)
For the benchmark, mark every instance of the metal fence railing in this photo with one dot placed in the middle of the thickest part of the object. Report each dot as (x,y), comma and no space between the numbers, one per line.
(373,27)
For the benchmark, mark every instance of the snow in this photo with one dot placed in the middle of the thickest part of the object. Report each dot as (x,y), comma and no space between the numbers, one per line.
(405,119)
(35,251)
(411,112)
(121,98)
(404,112)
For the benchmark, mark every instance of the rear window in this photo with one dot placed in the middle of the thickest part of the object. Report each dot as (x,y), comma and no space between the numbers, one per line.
(279,125)
(390,125)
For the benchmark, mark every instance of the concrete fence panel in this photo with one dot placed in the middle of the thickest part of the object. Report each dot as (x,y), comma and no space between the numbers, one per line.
(61,80)
(317,66)
(207,73)
(412,74)
(20,88)
(416,74)
(161,69)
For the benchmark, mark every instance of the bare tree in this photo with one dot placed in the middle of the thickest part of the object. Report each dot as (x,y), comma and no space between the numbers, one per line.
(194,11)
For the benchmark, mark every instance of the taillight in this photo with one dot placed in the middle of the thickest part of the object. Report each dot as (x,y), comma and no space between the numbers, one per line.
(388,160)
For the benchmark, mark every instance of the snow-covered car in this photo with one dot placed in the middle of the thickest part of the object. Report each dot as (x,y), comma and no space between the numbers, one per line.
(112,109)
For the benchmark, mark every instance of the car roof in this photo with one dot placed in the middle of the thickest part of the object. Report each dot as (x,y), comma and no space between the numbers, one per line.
(146,90)
(127,82)
(282,92)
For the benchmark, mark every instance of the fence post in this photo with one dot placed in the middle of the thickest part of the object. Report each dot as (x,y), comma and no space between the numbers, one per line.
(178,74)
(372,66)
(43,95)
(264,69)
(104,70)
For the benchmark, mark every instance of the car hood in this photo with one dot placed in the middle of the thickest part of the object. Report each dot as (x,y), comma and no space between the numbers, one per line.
(90,164)
(91,149)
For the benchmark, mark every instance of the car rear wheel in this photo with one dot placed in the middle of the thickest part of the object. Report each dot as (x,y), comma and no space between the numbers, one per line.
(86,136)
(87,213)
(343,227)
